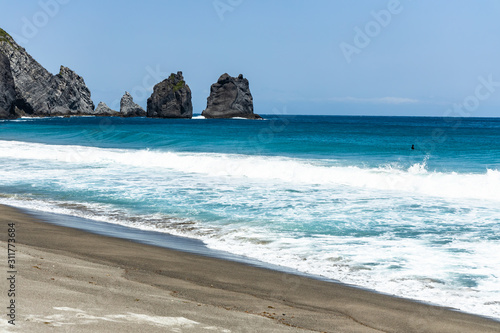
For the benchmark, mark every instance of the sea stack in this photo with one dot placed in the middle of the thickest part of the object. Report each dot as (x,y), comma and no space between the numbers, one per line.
(171,98)
(230,97)
(103,110)
(28,89)
(129,109)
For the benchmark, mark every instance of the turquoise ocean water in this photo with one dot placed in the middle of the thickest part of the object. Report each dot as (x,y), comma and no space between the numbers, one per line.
(341,197)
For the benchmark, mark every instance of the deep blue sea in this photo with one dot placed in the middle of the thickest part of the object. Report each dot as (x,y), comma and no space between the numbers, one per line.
(341,197)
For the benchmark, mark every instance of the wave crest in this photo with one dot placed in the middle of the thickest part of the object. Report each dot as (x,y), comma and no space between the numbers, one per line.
(416,179)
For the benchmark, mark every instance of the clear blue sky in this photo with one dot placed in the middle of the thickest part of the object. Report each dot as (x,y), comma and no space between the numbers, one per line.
(306,57)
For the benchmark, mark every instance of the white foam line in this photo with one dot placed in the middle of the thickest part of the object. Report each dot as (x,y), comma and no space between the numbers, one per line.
(415,180)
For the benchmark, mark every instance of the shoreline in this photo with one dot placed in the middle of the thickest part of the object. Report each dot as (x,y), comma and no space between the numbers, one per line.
(189,245)
(159,239)
(109,275)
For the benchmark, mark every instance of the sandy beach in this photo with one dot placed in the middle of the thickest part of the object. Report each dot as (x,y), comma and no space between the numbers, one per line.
(72,281)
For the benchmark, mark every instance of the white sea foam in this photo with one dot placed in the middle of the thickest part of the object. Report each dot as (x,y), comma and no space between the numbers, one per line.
(417,270)
(408,267)
(416,179)
(407,231)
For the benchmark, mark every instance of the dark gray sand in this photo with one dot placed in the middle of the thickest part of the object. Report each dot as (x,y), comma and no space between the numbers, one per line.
(72,281)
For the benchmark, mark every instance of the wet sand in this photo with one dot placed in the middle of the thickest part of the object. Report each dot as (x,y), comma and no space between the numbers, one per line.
(69,280)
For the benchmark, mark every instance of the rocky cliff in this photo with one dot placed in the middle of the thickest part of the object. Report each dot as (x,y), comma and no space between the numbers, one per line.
(171,98)
(230,97)
(26,88)
(7,89)
(70,95)
(129,109)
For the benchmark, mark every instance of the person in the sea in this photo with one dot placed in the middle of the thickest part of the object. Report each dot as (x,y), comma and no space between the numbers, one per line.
(412,147)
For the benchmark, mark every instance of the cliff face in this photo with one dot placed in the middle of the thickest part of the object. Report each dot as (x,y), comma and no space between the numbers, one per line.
(171,98)
(36,91)
(7,88)
(230,97)
(70,95)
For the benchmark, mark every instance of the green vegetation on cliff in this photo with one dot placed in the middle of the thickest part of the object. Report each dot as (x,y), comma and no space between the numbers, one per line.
(179,85)
(4,36)
(3,33)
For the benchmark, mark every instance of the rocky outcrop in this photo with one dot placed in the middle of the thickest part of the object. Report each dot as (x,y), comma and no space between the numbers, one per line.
(105,111)
(129,109)
(70,95)
(171,98)
(36,91)
(28,89)
(7,89)
(230,97)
